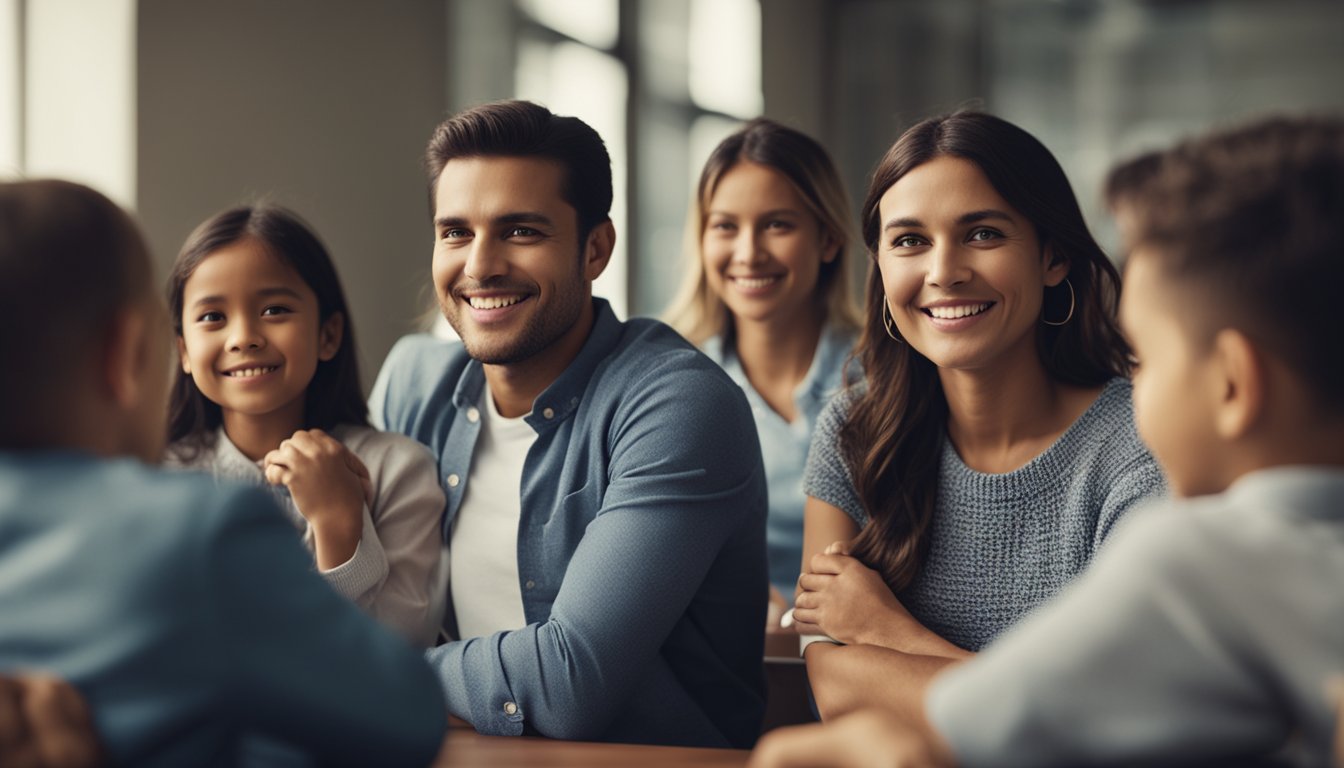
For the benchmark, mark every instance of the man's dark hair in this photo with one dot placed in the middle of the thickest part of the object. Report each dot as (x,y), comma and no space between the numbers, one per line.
(70,259)
(1248,221)
(524,129)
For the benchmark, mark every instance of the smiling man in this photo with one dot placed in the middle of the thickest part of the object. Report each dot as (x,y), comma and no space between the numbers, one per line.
(606,499)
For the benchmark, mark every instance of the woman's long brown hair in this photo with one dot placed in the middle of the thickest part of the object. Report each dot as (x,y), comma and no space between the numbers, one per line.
(893,436)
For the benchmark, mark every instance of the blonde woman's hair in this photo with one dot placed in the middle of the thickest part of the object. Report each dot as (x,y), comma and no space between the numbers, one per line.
(697,312)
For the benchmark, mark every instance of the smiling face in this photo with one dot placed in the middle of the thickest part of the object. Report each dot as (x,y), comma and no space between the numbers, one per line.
(963,272)
(252,335)
(762,246)
(509,270)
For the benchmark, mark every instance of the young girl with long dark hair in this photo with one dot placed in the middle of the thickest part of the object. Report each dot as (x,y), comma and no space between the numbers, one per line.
(269,393)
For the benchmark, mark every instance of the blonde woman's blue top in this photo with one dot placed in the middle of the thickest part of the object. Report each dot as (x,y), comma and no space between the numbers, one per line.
(784,443)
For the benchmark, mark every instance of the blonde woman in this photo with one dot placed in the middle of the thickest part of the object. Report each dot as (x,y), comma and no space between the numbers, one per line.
(767,296)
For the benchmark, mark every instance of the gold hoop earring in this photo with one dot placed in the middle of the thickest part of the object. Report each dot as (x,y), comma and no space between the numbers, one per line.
(1068,317)
(889,322)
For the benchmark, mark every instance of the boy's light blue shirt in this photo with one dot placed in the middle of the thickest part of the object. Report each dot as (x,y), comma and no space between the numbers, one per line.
(189,616)
(1206,630)
(641,546)
(784,444)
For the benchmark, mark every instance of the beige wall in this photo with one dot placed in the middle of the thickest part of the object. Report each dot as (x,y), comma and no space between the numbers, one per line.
(321,105)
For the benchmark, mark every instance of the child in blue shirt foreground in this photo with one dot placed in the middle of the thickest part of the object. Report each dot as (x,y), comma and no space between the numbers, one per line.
(1211,626)
(186,615)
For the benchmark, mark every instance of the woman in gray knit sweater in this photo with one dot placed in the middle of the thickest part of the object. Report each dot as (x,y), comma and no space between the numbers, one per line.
(990,448)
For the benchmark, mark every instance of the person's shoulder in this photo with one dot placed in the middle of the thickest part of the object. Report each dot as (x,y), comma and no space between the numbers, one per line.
(419,372)
(836,412)
(655,380)
(1183,541)
(650,352)
(177,509)
(1107,433)
(420,355)
(193,454)
(375,447)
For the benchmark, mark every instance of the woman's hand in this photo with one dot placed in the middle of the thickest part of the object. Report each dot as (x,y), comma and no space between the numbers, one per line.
(841,597)
(849,601)
(330,487)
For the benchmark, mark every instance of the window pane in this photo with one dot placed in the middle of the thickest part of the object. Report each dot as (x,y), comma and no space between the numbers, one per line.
(725,56)
(595,22)
(576,80)
(10,116)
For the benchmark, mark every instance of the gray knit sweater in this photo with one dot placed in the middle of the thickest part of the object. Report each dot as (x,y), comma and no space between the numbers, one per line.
(1004,543)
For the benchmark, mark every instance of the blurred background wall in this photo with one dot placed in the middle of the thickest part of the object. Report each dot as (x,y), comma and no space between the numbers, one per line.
(179,108)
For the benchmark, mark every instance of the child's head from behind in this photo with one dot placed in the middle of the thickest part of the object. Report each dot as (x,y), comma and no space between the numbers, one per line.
(82,334)
(262,326)
(1230,301)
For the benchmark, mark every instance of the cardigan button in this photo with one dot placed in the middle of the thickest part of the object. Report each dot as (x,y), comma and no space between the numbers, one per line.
(453,480)
(510,708)
(548,413)
(473,415)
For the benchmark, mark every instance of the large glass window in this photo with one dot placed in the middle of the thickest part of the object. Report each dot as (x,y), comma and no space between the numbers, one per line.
(11,93)
(567,61)
(662,82)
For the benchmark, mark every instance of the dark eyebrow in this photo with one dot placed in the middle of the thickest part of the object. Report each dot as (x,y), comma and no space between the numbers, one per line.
(965,218)
(519,217)
(903,223)
(278,290)
(525,217)
(988,213)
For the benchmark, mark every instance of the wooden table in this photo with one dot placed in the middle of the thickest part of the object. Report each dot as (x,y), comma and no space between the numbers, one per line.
(465,748)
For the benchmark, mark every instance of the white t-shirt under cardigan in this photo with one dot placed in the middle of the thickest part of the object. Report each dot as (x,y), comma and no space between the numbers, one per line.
(396,574)
(1004,543)
(484,573)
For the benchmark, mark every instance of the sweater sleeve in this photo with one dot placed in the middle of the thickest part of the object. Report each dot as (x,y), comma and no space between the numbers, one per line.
(826,476)
(1133,474)
(409,506)
(1138,480)
(360,578)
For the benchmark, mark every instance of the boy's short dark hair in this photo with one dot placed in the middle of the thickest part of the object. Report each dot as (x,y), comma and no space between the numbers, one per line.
(1248,220)
(524,129)
(70,259)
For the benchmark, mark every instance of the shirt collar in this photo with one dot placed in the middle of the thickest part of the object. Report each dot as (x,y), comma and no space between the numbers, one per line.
(824,376)
(558,401)
(827,373)
(1311,490)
